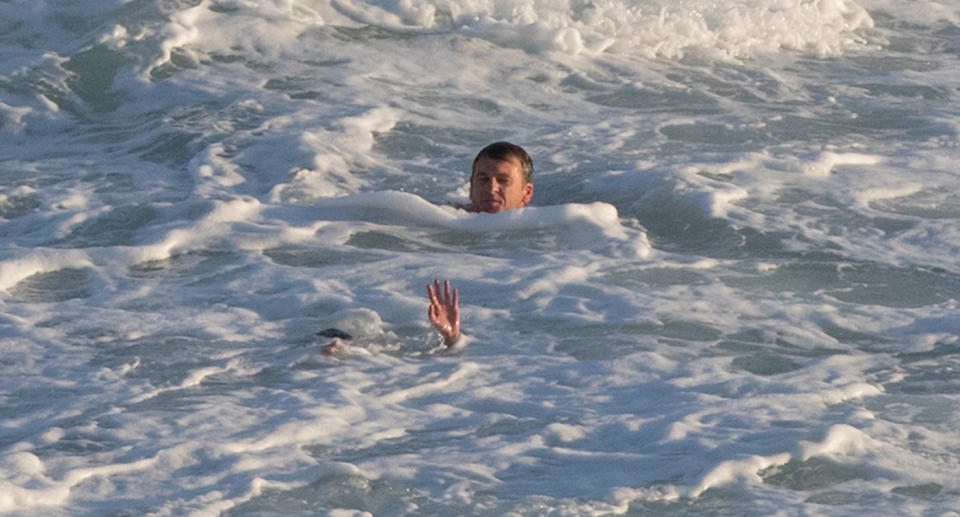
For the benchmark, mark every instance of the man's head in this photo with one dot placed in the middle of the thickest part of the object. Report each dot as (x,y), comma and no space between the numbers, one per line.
(501,178)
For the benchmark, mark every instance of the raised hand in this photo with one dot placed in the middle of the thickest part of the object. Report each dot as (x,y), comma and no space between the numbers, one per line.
(444,311)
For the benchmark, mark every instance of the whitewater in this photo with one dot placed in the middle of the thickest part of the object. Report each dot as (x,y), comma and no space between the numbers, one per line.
(735,291)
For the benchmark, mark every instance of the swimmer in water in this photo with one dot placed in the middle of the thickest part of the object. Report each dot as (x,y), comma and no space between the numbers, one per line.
(443,313)
(501,179)
(336,348)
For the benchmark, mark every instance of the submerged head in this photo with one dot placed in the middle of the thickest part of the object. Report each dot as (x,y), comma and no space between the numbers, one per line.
(501,178)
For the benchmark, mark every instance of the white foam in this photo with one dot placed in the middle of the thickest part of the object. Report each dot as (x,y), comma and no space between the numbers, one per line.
(650,29)
(400,208)
(822,166)
(12,117)
(335,155)
(743,471)
(283,164)
(868,195)
(565,433)
(49,492)
(16,269)
(841,439)
(180,32)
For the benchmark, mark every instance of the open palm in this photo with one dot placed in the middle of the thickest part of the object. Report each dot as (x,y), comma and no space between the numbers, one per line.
(444,311)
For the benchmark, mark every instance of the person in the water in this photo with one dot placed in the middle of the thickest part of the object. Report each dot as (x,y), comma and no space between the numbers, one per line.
(501,179)
(336,347)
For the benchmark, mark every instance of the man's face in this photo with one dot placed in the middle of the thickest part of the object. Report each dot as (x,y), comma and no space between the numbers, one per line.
(497,185)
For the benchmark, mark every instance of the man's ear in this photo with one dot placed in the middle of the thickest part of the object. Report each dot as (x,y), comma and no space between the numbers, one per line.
(527,193)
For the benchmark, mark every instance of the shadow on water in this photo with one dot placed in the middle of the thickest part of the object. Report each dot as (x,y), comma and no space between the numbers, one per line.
(715,502)
(930,203)
(388,497)
(55,286)
(94,71)
(600,342)
(379,240)
(301,256)
(162,360)
(116,227)
(652,278)
(505,244)
(811,474)
(856,282)
(679,226)
(348,493)
(932,372)
(765,363)
(18,206)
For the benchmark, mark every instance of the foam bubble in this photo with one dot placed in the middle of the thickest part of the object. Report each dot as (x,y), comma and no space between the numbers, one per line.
(824,164)
(670,30)
(12,117)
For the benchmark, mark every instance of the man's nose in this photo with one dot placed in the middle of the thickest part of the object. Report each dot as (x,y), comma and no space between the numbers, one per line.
(493,185)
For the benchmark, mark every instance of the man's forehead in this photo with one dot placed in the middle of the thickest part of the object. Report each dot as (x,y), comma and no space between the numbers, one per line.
(508,164)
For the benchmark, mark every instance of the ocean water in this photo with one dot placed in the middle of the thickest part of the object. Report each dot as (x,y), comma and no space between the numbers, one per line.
(735,292)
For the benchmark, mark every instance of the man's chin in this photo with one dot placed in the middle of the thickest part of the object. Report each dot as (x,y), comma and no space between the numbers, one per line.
(489,208)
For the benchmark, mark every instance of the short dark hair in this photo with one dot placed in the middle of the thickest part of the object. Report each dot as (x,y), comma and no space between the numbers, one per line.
(503,151)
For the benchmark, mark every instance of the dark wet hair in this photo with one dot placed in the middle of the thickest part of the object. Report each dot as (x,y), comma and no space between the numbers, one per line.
(332,332)
(503,151)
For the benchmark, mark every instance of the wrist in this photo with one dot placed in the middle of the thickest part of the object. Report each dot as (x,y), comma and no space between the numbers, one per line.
(451,338)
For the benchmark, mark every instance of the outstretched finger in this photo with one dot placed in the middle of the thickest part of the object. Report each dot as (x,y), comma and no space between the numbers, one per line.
(455,309)
(446,292)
